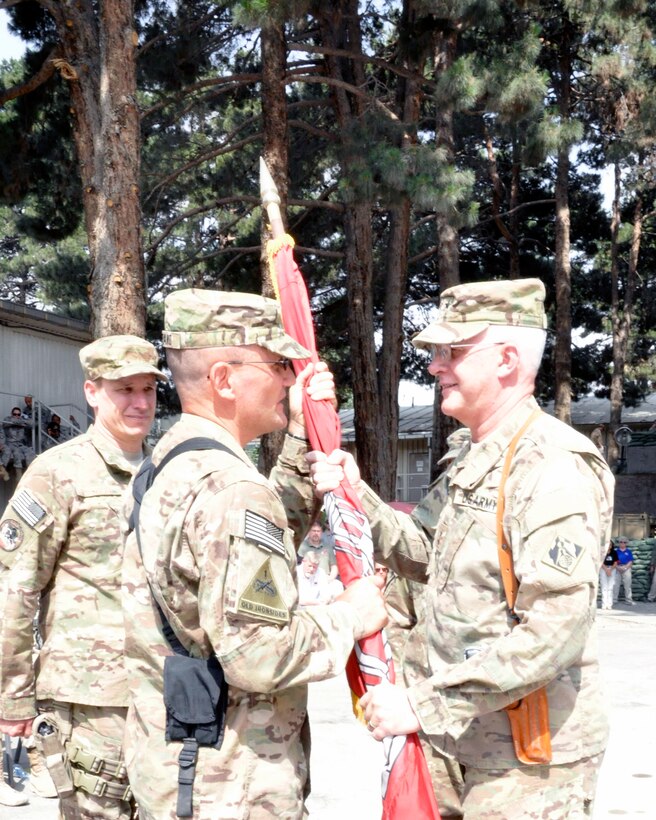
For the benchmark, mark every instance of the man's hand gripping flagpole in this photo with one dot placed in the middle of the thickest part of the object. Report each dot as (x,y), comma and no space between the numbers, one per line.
(406,784)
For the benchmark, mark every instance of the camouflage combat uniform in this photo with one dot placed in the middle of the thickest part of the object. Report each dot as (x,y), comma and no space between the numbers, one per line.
(405,601)
(60,554)
(558,515)
(220,557)
(16,449)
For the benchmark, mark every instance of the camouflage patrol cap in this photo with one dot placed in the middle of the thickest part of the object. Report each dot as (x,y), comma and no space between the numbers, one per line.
(115,357)
(214,318)
(467,310)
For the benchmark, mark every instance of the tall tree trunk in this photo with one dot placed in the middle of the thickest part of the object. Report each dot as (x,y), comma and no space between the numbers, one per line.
(562,264)
(497,202)
(359,289)
(340,29)
(617,377)
(396,279)
(392,345)
(622,314)
(513,220)
(274,124)
(448,240)
(99,63)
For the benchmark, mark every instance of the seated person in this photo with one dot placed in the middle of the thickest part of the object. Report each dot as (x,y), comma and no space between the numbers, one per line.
(17,448)
(314,585)
(53,428)
(316,543)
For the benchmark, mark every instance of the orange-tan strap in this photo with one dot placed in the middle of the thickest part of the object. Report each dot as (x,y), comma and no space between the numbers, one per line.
(508,577)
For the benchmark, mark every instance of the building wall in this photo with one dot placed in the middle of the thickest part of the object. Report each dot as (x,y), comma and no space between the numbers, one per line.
(40,357)
(44,365)
(413,472)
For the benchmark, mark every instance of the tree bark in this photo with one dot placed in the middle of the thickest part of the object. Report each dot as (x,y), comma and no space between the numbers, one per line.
(274,127)
(617,377)
(340,29)
(621,314)
(448,242)
(562,264)
(396,278)
(99,63)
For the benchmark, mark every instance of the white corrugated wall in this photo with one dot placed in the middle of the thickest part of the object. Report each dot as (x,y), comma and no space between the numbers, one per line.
(46,366)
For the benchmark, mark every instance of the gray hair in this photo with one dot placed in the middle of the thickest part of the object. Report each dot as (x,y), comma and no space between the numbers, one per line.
(529,340)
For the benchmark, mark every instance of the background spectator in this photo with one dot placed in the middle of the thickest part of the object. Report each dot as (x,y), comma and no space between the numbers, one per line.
(27,408)
(315,543)
(17,449)
(608,577)
(314,585)
(624,564)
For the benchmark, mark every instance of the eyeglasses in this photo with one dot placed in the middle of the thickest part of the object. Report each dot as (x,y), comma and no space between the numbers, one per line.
(16,414)
(283,364)
(444,353)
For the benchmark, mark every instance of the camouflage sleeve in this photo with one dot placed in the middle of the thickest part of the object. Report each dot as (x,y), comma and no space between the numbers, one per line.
(248,599)
(555,532)
(291,478)
(404,541)
(32,531)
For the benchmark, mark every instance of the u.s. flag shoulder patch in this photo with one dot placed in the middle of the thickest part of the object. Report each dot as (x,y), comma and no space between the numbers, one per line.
(259,529)
(563,555)
(28,508)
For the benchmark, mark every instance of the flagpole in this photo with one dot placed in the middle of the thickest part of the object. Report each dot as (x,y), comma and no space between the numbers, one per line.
(406,782)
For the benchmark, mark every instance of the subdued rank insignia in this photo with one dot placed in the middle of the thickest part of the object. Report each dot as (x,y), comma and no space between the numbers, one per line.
(261,598)
(263,532)
(28,508)
(563,555)
(11,535)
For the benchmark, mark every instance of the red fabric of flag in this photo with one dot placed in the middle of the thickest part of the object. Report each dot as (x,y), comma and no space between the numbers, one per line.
(406,784)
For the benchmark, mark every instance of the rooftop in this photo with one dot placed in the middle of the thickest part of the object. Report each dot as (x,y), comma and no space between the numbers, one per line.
(417,421)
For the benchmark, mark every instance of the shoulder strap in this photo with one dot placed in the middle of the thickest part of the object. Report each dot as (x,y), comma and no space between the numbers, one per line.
(143,480)
(508,577)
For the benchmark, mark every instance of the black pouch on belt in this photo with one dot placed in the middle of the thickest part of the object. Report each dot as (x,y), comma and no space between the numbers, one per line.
(195,697)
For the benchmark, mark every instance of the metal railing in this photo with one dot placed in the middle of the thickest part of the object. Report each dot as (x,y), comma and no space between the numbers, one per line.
(41,416)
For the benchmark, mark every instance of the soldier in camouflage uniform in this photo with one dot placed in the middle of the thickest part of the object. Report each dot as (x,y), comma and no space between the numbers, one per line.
(60,554)
(5,455)
(16,450)
(218,553)
(487,344)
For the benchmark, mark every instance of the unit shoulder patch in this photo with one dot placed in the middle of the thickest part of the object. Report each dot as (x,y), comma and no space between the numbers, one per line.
(261,598)
(11,535)
(563,555)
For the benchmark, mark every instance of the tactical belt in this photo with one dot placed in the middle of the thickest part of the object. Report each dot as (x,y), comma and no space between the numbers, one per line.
(190,745)
(58,756)
(98,786)
(90,762)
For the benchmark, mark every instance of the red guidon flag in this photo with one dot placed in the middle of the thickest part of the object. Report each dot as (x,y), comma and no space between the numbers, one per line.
(407,789)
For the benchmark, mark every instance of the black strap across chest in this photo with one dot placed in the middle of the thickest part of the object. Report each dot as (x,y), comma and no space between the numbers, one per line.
(144,479)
